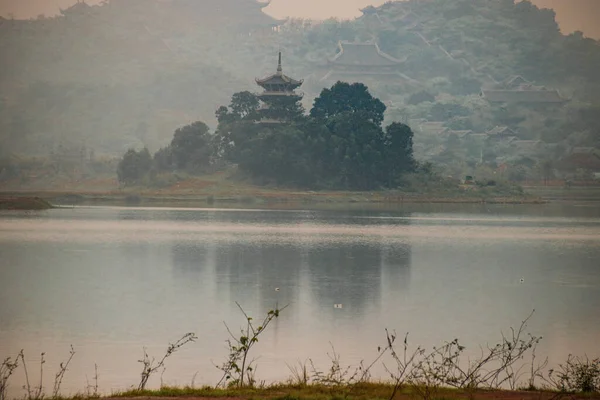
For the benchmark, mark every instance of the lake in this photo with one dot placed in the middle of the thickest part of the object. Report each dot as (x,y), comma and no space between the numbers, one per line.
(113,280)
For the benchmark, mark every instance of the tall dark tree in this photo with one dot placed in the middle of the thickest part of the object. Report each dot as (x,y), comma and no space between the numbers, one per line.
(350,98)
(244,105)
(191,147)
(341,145)
(398,150)
(134,167)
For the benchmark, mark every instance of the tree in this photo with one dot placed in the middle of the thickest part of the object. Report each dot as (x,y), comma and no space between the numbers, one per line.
(244,105)
(283,108)
(350,98)
(399,150)
(191,147)
(134,167)
(163,159)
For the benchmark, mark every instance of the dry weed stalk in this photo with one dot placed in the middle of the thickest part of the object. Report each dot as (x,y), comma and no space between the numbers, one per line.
(575,375)
(149,366)
(7,368)
(92,390)
(58,378)
(35,393)
(238,369)
(495,367)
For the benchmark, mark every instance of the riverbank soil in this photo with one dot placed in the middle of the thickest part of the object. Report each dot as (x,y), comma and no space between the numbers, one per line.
(368,392)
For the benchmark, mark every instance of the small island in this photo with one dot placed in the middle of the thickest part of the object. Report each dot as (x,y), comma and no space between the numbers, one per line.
(24,203)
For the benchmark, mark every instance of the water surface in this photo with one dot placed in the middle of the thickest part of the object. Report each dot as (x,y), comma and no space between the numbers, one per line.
(111,281)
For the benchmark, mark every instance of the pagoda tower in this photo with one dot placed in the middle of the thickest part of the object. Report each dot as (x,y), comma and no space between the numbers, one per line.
(279,101)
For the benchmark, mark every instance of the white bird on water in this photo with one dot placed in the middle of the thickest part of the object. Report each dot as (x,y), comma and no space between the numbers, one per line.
(277,289)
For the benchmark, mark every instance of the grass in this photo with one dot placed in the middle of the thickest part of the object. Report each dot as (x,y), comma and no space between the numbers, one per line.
(225,187)
(360,391)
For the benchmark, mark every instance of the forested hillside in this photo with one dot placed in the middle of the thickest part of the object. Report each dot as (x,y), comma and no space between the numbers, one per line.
(127,73)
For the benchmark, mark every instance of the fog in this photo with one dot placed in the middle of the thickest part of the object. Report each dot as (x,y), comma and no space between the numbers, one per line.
(572,15)
(125,74)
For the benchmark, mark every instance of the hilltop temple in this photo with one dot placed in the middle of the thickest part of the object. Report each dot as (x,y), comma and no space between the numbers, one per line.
(360,60)
(244,16)
(238,16)
(279,100)
(79,8)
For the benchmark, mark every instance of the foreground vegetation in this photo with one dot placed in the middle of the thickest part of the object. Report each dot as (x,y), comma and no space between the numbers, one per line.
(445,371)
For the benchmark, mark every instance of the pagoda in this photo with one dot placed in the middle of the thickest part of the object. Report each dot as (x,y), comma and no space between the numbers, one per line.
(280,102)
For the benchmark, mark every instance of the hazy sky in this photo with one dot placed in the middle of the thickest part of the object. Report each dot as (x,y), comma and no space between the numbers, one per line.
(581,15)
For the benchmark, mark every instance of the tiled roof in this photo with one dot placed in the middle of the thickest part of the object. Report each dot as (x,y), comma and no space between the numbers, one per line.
(363,54)
(585,150)
(432,127)
(522,96)
(278,78)
(501,131)
(460,134)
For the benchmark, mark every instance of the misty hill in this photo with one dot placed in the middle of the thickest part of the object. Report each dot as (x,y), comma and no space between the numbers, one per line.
(128,72)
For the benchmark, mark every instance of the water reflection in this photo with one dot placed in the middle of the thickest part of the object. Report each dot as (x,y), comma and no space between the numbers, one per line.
(339,269)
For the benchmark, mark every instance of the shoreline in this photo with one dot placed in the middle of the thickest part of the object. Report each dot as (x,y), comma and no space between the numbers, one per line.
(267,199)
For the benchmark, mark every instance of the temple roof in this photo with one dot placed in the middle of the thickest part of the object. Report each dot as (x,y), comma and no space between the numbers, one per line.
(501,131)
(363,54)
(523,96)
(279,78)
(241,13)
(514,82)
(78,8)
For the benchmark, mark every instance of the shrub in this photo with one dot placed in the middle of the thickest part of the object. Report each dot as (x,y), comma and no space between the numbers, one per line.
(576,375)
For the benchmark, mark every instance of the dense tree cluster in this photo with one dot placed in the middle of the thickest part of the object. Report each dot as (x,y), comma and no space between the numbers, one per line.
(340,144)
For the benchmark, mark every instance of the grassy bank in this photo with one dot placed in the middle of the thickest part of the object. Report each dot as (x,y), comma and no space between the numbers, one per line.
(226,188)
(23,203)
(362,391)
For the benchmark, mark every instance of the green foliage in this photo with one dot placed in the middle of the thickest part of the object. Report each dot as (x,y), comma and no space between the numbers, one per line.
(191,147)
(134,167)
(340,145)
(576,375)
(238,369)
(244,105)
(348,98)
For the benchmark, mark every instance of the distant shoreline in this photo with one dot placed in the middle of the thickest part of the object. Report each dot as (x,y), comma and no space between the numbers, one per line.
(23,199)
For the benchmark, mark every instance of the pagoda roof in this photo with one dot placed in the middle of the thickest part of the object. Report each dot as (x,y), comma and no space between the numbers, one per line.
(279,78)
(363,54)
